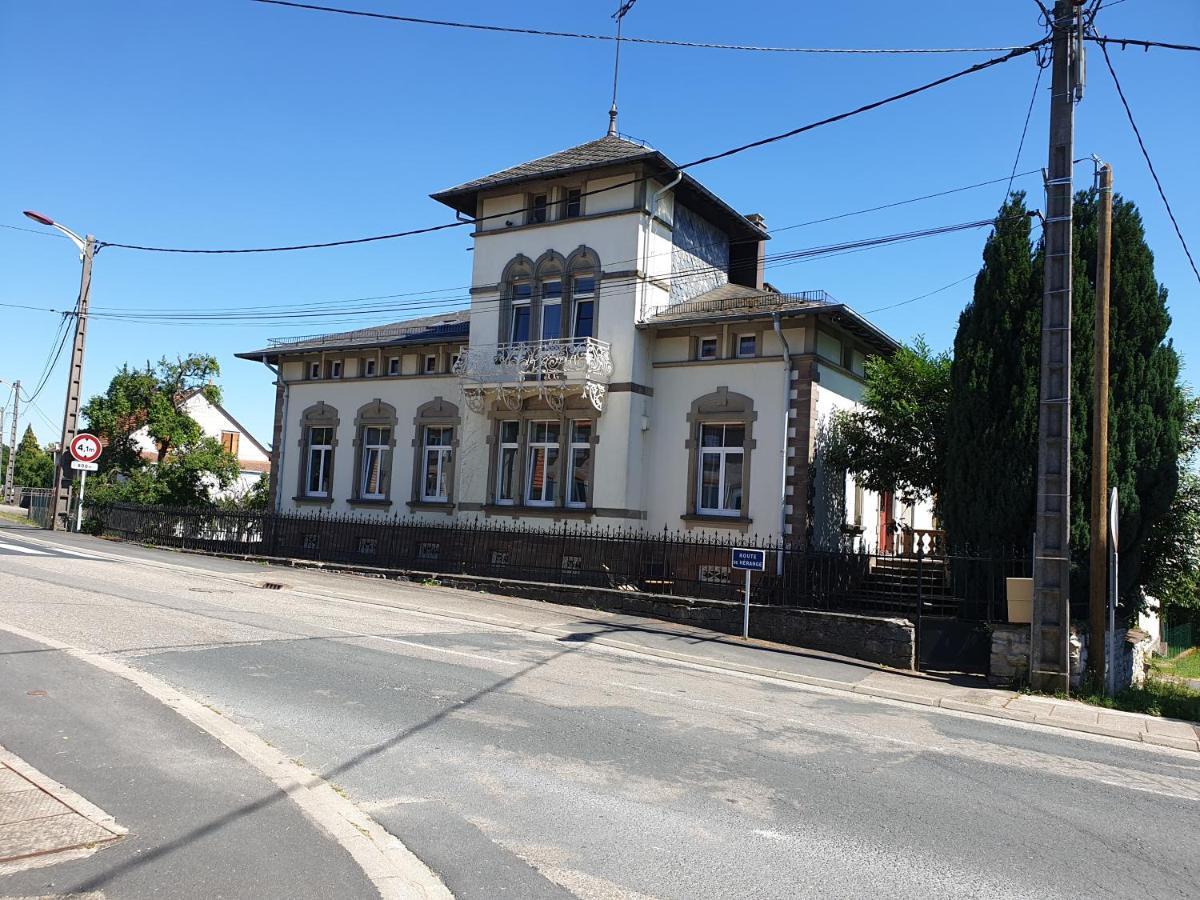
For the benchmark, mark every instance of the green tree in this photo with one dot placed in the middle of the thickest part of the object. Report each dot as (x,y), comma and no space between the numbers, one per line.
(33,466)
(895,442)
(185,465)
(990,489)
(1173,548)
(988,492)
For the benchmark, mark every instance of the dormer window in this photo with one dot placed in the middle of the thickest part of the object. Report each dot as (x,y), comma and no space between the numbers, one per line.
(574,204)
(537,210)
(314,371)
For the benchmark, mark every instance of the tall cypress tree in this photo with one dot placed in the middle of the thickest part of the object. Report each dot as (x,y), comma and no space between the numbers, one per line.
(1147,408)
(989,494)
(987,501)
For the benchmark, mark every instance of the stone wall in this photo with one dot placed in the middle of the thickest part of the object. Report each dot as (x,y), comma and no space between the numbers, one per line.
(1009,664)
(890,642)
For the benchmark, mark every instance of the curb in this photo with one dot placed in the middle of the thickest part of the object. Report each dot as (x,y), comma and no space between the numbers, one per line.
(880,693)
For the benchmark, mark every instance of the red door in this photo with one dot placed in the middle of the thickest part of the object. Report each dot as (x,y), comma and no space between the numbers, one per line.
(887,537)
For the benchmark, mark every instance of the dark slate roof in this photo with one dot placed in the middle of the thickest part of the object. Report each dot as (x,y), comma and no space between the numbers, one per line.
(607,151)
(733,301)
(451,326)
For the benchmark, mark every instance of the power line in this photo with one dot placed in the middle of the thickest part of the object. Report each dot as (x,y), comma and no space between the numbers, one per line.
(1149,164)
(944,287)
(944,193)
(829,120)
(1024,130)
(538,32)
(1145,45)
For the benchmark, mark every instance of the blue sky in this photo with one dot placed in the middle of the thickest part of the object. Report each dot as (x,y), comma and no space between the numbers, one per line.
(230,123)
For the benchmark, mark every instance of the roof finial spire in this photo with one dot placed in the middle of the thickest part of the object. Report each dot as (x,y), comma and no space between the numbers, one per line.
(623,7)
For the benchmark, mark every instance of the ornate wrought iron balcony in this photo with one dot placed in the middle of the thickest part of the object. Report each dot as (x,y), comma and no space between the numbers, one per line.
(551,370)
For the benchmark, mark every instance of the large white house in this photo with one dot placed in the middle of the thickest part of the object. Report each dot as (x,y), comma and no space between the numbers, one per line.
(622,362)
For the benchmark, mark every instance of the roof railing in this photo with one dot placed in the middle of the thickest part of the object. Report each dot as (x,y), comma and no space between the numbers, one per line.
(383,332)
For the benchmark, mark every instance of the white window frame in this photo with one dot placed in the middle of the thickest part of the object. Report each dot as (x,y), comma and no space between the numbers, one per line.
(369,368)
(585,297)
(572,447)
(325,475)
(566,203)
(546,304)
(335,368)
(431,364)
(314,371)
(753,350)
(393,365)
(444,454)
(380,449)
(550,466)
(525,302)
(723,453)
(533,208)
(716,347)
(504,447)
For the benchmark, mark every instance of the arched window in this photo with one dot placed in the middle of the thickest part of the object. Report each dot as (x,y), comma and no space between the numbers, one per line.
(583,281)
(720,441)
(516,301)
(374,442)
(548,275)
(435,445)
(318,443)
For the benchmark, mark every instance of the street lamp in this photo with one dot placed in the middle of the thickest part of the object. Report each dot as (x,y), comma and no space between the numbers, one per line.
(87,251)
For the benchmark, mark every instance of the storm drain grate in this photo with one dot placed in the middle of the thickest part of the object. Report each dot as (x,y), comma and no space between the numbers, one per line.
(272,586)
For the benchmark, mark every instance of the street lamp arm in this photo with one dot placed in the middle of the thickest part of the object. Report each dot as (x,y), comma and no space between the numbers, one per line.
(79,242)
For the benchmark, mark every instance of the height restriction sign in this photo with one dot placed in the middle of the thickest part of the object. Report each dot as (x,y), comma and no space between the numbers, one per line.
(85,448)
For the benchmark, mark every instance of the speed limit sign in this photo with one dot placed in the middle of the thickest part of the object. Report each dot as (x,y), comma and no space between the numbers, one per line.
(85,448)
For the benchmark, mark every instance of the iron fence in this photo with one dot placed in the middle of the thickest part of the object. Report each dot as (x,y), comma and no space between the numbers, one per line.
(966,586)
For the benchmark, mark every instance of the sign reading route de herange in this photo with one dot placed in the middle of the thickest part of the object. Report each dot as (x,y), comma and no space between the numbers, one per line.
(751,560)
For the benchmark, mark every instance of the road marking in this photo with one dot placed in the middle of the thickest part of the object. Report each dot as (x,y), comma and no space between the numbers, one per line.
(395,870)
(19,549)
(392,640)
(78,553)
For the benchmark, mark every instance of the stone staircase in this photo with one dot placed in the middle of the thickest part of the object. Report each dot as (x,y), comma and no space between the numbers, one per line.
(894,584)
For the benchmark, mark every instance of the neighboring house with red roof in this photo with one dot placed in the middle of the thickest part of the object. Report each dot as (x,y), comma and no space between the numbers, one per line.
(254,460)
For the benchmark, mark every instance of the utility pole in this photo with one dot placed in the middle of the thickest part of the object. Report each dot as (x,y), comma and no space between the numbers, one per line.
(1050,651)
(12,444)
(62,485)
(1098,587)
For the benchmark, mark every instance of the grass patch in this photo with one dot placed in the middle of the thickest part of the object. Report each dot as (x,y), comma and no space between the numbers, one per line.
(1157,698)
(15,519)
(1185,665)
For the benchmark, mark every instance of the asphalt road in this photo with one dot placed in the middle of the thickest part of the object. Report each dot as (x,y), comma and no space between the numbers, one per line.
(521,764)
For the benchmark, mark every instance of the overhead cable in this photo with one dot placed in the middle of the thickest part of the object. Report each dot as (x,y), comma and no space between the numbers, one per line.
(970,70)
(1149,164)
(702,45)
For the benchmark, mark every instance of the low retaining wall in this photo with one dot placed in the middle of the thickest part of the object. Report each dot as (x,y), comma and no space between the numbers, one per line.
(1009,664)
(889,642)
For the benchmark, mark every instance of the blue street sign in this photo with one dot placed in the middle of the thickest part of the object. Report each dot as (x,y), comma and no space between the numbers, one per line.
(755,560)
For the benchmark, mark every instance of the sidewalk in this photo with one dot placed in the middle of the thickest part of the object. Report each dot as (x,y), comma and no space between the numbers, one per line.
(682,643)
(42,822)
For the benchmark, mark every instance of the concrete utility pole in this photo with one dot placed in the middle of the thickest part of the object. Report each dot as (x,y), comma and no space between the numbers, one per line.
(1050,662)
(1098,593)
(87,251)
(12,444)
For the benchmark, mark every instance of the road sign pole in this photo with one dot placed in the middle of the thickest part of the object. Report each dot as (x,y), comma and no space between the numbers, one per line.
(746,611)
(79,502)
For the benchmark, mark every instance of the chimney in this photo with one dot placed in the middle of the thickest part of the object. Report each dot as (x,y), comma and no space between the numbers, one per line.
(747,258)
